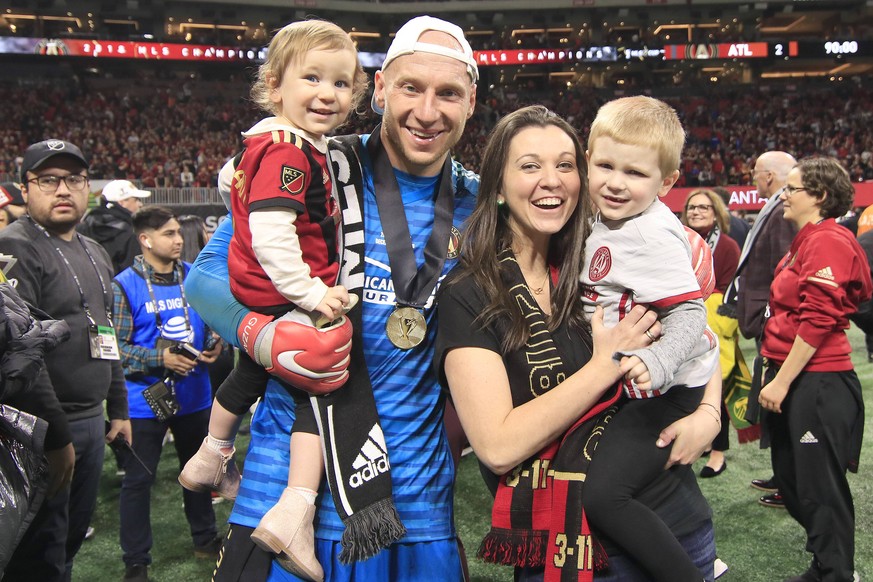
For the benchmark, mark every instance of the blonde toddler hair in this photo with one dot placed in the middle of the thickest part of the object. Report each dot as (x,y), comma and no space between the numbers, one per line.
(289,45)
(645,122)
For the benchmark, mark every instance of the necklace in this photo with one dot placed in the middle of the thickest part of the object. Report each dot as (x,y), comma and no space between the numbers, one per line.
(539,290)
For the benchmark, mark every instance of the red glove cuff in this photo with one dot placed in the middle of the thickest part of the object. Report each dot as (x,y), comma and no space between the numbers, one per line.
(249,329)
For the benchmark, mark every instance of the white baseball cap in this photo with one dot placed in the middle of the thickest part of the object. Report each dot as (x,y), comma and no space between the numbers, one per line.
(118,190)
(406,42)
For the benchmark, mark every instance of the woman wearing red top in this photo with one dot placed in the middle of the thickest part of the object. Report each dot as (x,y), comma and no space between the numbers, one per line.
(706,214)
(810,389)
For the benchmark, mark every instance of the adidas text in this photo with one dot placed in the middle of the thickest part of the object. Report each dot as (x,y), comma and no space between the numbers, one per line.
(372,460)
(369,472)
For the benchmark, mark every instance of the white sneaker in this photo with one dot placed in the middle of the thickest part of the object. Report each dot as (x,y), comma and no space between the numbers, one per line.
(856,577)
(720,567)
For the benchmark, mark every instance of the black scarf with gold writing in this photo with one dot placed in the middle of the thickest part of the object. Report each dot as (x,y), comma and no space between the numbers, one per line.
(537,519)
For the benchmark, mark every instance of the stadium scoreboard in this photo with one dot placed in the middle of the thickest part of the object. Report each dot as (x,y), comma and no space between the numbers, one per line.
(775,50)
(825,49)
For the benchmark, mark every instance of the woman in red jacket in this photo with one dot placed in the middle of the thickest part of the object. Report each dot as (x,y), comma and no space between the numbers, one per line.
(810,388)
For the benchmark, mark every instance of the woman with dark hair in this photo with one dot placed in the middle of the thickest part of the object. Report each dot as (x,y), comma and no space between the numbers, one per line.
(533,384)
(706,214)
(194,236)
(816,411)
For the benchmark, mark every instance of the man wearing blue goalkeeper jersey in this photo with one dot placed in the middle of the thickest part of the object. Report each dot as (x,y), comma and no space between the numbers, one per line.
(396,186)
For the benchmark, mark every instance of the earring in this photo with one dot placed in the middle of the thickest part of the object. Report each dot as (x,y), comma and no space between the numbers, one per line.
(501,202)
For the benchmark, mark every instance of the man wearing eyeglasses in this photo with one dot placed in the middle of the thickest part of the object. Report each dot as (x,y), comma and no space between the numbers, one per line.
(68,276)
(767,243)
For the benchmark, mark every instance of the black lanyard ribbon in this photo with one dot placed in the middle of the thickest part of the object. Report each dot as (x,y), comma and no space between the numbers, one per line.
(107,297)
(412,286)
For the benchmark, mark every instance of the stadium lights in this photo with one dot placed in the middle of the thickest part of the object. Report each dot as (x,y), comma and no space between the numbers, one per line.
(40,17)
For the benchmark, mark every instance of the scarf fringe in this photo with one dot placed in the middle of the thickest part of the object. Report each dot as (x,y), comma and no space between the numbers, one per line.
(749,434)
(514,547)
(370,530)
(601,559)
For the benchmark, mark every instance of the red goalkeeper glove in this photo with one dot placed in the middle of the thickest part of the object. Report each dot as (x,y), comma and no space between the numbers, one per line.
(312,359)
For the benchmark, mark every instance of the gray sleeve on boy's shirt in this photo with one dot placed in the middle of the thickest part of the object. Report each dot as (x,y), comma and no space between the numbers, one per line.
(682,326)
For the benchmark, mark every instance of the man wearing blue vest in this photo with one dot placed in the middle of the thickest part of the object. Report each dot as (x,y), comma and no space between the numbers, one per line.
(164,352)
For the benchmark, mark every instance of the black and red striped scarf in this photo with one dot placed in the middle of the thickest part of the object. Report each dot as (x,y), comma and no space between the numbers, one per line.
(537,519)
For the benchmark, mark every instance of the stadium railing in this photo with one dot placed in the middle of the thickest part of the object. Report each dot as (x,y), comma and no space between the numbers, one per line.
(184,196)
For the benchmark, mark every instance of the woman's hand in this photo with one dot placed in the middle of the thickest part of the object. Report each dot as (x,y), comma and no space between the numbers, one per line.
(773,394)
(691,436)
(638,329)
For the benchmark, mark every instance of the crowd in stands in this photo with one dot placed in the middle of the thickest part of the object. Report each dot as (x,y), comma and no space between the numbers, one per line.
(726,128)
(169,137)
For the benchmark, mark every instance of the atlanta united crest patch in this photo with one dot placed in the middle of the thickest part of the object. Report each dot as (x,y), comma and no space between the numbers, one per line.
(292,180)
(601,263)
(454,243)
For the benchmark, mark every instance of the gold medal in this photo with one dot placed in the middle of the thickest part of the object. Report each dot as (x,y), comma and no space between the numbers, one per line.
(406,327)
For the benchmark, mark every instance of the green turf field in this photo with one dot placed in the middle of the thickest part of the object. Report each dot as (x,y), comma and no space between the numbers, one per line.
(759,544)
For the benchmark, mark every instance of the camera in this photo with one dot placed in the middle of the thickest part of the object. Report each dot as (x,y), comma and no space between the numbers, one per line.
(185,349)
(161,398)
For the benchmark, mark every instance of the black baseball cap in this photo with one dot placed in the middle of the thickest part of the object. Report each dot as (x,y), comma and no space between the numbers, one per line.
(39,153)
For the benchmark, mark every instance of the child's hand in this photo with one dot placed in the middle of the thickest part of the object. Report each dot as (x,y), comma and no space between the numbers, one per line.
(334,303)
(635,371)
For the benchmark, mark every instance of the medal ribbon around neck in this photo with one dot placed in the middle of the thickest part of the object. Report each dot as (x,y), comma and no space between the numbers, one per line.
(412,285)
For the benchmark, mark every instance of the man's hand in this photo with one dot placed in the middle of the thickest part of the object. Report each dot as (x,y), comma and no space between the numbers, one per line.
(177,362)
(312,359)
(118,426)
(60,468)
(209,356)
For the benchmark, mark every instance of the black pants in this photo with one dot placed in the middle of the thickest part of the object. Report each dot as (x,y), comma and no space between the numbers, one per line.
(57,531)
(811,442)
(134,502)
(722,442)
(627,460)
(248,382)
